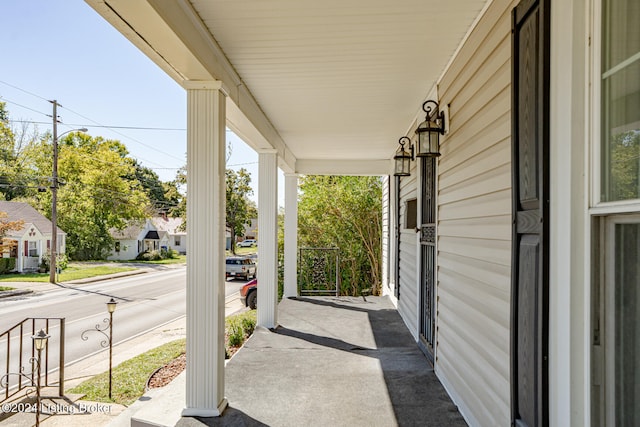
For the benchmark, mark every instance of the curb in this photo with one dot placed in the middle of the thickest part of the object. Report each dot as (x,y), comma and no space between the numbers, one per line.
(107,277)
(17,292)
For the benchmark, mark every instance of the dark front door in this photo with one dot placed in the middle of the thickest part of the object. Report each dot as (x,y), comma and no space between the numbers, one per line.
(428,255)
(530,244)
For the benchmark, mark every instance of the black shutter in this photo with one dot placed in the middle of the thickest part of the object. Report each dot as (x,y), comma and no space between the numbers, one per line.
(530,241)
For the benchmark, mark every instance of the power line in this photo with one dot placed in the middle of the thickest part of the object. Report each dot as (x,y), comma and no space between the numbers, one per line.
(25,107)
(101,126)
(243,164)
(95,123)
(23,90)
(120,133)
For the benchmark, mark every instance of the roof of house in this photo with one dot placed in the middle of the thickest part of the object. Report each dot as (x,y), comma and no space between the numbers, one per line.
(130,232)
(23,211)
(170,225)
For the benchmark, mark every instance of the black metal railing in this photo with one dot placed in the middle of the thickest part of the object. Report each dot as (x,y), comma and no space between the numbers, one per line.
(319,271)
(14,378)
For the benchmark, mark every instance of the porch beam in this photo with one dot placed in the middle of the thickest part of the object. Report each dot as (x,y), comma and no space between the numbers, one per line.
(345,167)
(205,246)
(290,235)
(268,238)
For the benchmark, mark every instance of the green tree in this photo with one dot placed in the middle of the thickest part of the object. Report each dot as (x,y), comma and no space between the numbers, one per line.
(96,193)
(16,178)
(179,186)
(345,212)
(240,209)
(164,196)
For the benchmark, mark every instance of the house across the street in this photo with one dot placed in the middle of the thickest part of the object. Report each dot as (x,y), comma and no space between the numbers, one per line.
(153,234)
(33,240)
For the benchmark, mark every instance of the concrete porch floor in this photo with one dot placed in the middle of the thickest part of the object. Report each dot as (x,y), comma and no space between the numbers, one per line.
(331,362)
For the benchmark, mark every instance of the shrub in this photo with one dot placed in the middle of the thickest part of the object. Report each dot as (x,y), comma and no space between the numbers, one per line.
(168,253)
(149,256)
(239,327)
(7,265)
(236,334)
(157,255)
(62,261)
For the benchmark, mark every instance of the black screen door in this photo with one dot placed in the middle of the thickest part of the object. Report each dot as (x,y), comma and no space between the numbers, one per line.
(530,244)
(428,255)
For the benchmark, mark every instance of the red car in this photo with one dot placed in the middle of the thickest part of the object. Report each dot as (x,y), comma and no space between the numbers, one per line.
(249,294)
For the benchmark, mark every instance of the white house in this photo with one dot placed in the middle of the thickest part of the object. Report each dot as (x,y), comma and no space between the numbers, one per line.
(150,235)
(33,240)
(135,238)
(176,238)
(513,256)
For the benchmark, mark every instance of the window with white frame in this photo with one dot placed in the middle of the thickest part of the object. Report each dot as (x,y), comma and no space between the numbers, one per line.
(616,220)
(620,100)
(33,248)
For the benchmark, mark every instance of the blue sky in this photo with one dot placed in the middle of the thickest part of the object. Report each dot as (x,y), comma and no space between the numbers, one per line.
(64,50)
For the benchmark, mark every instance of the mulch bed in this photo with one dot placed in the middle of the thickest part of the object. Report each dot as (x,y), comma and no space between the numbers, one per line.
(168,372)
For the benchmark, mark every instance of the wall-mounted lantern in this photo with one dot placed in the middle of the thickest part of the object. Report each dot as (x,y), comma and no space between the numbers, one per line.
(403,158)
(430,130)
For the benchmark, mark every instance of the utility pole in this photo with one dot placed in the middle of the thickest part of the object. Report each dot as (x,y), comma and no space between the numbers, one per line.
(54,198)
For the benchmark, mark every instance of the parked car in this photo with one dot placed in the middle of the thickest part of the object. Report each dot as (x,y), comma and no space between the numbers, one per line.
(249,243)
(240,267)
(249,294)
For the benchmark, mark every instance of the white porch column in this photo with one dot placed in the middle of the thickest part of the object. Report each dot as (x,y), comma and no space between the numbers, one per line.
(268,238)
(290,235)
(205,248)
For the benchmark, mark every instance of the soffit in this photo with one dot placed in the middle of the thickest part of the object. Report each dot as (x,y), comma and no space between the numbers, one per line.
(337,79)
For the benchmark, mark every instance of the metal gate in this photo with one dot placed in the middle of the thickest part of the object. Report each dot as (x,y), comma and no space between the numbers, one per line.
(319,271)
(428,256)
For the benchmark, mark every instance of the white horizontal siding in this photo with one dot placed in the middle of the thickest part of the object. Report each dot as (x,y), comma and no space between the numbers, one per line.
(474,223)
(407,302)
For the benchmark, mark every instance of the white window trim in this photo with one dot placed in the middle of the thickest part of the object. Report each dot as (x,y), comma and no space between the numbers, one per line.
(597,206)
(609,214)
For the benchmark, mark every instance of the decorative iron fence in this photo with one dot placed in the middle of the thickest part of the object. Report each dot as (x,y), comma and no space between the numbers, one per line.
(319,271)
(20,353)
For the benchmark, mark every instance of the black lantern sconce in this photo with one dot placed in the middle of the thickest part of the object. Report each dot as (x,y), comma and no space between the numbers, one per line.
(403,158)
(430,130)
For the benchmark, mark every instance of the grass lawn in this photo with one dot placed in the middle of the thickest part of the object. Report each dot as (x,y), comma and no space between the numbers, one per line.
(243,251)
(75,271)
(130,377)
(6,288)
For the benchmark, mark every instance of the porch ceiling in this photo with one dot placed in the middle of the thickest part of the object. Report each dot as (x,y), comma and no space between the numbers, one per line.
(319,81)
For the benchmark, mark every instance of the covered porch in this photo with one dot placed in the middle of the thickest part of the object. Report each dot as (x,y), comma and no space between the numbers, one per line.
(332,88)
(315,89)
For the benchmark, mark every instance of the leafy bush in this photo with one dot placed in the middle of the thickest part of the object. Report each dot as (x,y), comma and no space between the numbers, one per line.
(239,327)
(7,265)
(62,261)
(168,253)
(157,255)
(149,256)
